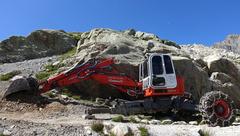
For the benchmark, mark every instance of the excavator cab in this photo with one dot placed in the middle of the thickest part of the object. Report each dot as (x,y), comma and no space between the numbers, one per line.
(157,75)
(158,72)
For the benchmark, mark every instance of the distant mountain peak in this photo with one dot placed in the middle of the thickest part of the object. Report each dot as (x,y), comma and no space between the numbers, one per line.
(231,43)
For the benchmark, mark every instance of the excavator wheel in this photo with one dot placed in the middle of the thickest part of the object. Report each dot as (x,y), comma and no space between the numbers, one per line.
(217,109)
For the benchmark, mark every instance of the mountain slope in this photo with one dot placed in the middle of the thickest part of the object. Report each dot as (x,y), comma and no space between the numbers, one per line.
(231,43)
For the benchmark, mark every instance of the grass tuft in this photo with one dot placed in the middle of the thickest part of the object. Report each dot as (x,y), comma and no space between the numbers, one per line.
(112,134)
(48,71)
(118,119)
(77,37)
(68,54)
(133,119)
(76,97)
(43,75)
(143,131)
(97,127)
(8,76)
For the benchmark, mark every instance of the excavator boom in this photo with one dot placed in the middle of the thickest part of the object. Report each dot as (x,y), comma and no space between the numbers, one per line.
(101,70)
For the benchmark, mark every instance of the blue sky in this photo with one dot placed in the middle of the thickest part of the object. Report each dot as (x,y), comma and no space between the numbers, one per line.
(183,21)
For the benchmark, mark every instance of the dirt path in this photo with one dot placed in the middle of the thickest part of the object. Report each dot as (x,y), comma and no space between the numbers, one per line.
(75,120)
(53,119)
(34,123)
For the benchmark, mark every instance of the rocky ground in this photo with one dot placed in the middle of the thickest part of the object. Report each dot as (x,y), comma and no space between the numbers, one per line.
(63,116)
(204,68)
(56,118)
(27,67)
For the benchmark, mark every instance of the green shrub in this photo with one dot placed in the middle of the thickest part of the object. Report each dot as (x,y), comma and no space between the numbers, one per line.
(7,76)
(133,119)
(48,71)
(51,67)
(143,131)
(97,127)
(145,117)
(112,134)
(43,75)
(118,119)
(76,97)
(69,53)
(76,37)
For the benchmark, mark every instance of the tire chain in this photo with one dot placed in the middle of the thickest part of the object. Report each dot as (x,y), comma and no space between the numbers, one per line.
(207,109)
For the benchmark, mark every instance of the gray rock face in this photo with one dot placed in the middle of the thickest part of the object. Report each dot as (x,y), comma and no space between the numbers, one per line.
(231,43)
(128,47)
(224,65)
(225,76)
(227,84)
(40,43)
(222,68)
(196,79)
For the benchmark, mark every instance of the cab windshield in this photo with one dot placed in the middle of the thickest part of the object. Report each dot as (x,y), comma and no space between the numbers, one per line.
(157,67)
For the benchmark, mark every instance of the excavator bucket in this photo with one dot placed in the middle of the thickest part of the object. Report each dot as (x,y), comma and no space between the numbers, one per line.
(17,84)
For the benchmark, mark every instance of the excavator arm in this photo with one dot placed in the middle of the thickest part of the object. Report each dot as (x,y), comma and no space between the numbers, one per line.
(100,70)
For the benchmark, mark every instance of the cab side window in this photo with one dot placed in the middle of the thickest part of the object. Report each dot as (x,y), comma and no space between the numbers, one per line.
(157,67)
(145,69)
(168,64)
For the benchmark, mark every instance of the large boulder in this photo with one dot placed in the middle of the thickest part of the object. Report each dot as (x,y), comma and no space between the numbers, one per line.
(130,48)
(225,76)
(196,78)
(40,43)
(227,84)
(51,41)
(127,47)
(224,65)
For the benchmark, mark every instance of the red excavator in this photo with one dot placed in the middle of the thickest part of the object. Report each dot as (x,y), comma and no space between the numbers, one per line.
(159,89)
